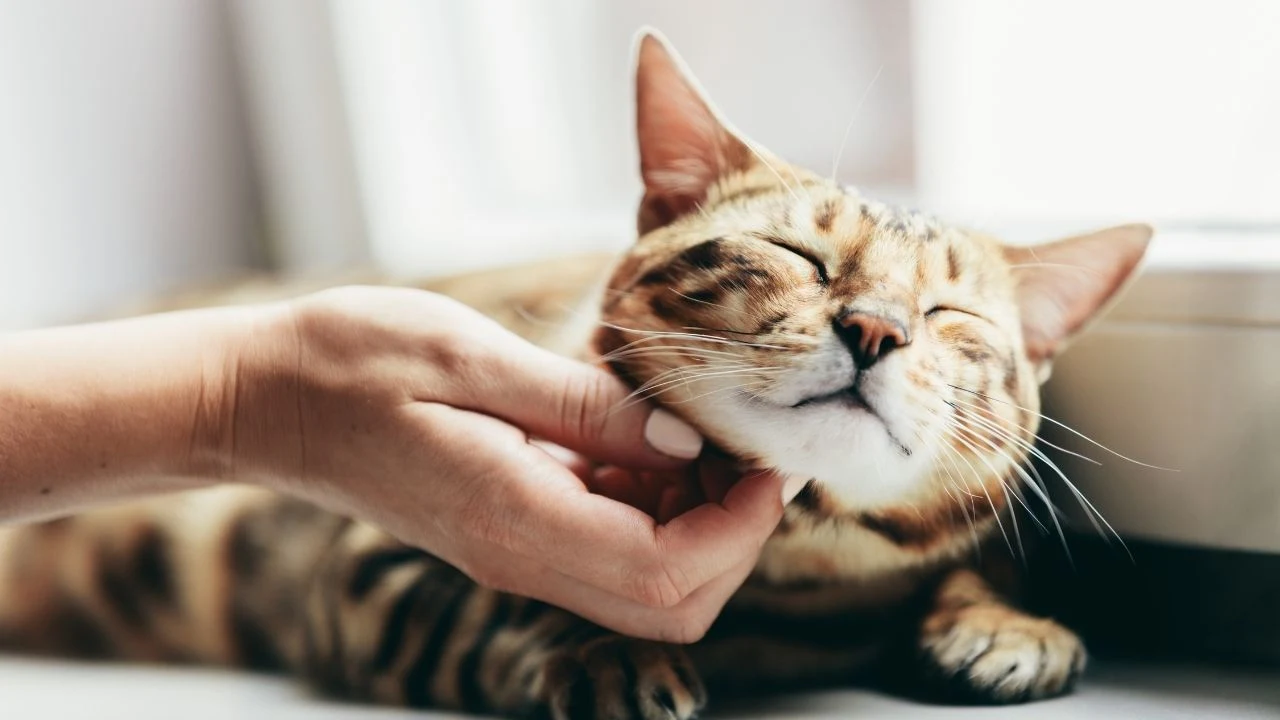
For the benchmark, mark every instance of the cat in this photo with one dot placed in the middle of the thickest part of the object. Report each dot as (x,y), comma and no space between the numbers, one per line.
(892,360)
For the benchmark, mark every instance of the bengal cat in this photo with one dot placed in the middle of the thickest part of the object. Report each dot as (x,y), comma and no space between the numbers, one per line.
(893,360)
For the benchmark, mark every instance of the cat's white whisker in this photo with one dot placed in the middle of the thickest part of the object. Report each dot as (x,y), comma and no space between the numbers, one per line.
(1038,484)
(722,306)
(1017,465)
(958,433)
(677,350)
(950,456)
(1091,512)
(691,372)
(977,476)
(670,334)
(952,484)
(741,386)
(685,375)
(844,139)
(1066,427)
(1006,488)
(1094,516)
(760,156)
(1035,435)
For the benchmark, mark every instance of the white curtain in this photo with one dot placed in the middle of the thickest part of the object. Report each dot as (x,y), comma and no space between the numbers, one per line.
(315,219)
(492,131)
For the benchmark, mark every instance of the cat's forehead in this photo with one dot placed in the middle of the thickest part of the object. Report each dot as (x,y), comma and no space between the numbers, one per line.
(859,235)
(901,222)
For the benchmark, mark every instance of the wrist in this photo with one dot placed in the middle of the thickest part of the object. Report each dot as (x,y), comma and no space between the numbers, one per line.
(247,419)
(197,388)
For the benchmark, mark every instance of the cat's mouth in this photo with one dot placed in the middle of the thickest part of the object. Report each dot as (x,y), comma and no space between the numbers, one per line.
(847,395)
(850,398)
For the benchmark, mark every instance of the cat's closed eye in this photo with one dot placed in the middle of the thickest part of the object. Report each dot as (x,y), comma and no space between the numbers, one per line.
(939,309)
(824,278)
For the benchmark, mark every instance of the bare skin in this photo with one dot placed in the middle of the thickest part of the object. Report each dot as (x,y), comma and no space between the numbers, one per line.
(407,410)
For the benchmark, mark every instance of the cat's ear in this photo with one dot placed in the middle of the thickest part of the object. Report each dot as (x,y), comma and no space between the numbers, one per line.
(1063,285)
(684,145)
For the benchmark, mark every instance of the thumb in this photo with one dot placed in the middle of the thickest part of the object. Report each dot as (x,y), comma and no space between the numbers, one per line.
(586,409)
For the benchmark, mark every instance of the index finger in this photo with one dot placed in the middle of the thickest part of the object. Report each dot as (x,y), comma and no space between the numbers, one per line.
(624,551)
(573,404)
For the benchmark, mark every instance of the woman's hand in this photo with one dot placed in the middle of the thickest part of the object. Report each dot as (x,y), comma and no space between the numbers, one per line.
(415,413)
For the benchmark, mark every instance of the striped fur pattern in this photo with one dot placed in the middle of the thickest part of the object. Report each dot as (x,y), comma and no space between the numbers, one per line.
(889,358)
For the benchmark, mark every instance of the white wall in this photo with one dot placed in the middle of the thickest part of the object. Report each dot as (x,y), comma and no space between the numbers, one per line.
(1099,110)
(123,163)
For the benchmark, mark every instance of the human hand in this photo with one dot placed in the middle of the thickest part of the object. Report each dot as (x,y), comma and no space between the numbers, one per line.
(414,412)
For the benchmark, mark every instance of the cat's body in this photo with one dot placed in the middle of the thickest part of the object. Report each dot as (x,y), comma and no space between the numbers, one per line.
(892,360)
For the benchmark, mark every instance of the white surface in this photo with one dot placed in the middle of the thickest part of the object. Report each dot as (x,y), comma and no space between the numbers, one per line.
(53,691)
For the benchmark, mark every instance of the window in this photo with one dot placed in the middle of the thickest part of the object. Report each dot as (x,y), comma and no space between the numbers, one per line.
(432,136)
(498,129)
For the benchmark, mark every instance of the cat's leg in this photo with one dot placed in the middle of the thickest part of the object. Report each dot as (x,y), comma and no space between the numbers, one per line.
(954,639)
(781,638)
(978,647)
(393,625)
(153,581)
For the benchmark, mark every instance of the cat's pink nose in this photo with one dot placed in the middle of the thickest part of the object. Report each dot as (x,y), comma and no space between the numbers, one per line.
(870,337)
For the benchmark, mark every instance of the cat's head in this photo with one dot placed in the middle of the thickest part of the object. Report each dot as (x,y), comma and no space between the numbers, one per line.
(805,328)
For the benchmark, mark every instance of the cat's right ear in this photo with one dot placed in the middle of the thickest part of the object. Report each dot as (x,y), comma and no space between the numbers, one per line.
(684,146)
(1065,285)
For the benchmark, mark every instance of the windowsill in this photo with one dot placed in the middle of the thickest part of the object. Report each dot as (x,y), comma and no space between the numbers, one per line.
(1177,247)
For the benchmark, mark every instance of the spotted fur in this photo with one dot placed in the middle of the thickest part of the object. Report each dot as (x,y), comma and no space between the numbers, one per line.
(890,359)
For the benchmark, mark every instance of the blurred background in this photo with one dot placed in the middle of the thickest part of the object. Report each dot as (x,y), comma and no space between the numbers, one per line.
(149,145)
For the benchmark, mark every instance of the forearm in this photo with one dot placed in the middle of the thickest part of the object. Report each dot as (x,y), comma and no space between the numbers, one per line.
(104,412)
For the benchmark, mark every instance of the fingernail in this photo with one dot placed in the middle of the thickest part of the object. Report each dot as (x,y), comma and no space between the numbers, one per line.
(792,487)
(672,436)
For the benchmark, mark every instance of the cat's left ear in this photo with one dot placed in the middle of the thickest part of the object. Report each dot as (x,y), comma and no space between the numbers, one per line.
(685,147)
(1062,286)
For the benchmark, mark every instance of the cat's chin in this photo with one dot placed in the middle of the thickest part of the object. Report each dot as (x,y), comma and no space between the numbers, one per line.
(836,440)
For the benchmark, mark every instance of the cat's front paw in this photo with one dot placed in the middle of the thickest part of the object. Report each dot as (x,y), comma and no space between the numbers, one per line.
(991,653)
(619,678)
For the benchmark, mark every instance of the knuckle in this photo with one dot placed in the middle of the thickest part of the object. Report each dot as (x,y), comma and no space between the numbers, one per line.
(451,354)
(583,405)
(655,586)
(464,365)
